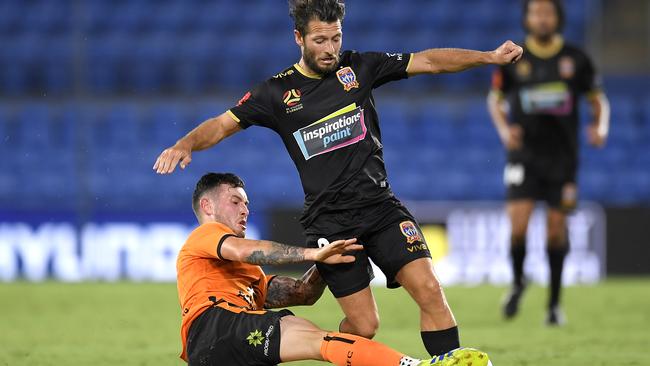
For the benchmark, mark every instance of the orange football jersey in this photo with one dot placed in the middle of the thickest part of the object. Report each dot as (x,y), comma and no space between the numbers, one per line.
(205,278)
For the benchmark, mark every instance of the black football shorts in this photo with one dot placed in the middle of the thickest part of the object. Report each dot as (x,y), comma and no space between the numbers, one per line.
(221,337)
(390,235)
(555,185)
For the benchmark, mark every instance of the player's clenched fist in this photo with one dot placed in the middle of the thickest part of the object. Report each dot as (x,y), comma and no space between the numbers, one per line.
(178,154)
(507,53)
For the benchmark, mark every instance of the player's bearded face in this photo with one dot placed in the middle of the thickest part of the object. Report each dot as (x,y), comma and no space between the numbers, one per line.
(542,19)
(231,208)
(321,46)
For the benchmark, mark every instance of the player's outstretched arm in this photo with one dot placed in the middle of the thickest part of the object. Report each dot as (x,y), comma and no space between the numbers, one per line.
(263,252)
(444,60)
(205,135)
(598,130)
(287,291)
(511,135)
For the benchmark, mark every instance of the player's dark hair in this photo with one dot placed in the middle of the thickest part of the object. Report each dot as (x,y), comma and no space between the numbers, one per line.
(302,11)
(213,180)
(559,10)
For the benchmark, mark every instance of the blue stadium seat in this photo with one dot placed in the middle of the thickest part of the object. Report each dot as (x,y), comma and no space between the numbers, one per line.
(151,63)
(218,17)
(174,16)
(197,66)
(132,16)
(106,63)
(164,124)
(19,64)
(265,16)
(49,17)
(116,128)
(11,15)
(34,121)
(596,184)
(437,16)
(645,120)
(58,65)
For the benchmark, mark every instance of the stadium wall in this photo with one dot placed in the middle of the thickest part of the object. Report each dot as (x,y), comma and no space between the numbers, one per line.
(143,247)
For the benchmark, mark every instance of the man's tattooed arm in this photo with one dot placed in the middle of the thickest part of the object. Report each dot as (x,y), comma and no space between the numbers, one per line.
(264,252)
(285,291)
(276,253)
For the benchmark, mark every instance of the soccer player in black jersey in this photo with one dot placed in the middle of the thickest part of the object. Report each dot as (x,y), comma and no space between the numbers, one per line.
(541,136)
(323,109)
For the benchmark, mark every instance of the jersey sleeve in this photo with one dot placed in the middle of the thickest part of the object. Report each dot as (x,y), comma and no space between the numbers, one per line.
(254,108)
(265,282)
(500,81)
(387,67)
(588,79)
(208,245)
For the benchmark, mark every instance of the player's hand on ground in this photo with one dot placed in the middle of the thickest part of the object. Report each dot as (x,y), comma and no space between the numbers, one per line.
(507,53)
(167,161)
(514,138)
(594,137)
(337,252)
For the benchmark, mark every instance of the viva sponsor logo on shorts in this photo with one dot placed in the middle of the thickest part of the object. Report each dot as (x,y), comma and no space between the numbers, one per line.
(341,128)
(413,238)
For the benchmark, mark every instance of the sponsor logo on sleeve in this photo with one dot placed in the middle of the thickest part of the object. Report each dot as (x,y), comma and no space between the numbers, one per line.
(348,78)
(291,99)
(523,68)
(340,129)
(244,99)
(283,74)
(398,56)
(566,67)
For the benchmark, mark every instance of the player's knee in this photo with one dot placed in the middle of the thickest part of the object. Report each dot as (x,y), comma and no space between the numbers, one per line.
(429,295)
(556,236)
(556,241)
(518,237)
(364,327)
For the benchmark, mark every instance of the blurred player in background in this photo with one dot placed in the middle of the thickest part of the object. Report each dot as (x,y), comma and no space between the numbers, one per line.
(540,133)
(323,109)
(223,292)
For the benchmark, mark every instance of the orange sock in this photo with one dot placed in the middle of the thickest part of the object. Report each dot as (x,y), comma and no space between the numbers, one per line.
(344,349)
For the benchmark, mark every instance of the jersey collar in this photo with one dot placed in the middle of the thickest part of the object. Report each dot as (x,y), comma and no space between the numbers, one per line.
(545,51)
(305,73)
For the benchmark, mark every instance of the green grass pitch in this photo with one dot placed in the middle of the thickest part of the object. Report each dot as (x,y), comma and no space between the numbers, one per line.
(137,324)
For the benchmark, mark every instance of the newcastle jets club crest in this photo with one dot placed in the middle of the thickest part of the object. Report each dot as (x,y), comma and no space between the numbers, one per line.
(410,232)
(347,77)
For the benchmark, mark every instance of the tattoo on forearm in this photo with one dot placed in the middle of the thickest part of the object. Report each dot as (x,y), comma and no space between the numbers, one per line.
(276,254)
(285,291)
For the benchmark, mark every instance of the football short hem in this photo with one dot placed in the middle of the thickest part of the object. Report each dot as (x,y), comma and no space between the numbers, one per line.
(348,291)
(391,281)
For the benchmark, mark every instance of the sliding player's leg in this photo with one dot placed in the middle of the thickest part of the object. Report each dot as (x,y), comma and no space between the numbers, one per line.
(361,314)
(303,340)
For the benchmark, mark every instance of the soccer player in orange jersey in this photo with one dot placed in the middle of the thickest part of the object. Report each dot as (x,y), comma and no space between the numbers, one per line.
(224,294)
